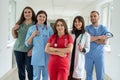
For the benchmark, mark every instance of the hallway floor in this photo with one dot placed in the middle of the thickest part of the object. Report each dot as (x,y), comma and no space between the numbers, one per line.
(13,75)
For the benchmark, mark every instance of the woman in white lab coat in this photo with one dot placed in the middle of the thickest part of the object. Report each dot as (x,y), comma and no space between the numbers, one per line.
(81,47)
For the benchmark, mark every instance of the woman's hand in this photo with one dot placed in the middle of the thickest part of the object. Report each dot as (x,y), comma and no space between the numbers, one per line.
(29,53)
(35,33)
(14,30)
(80,47)
(62,54)
(16,27)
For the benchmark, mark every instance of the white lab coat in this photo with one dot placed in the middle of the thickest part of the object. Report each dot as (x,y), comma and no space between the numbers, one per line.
(79,62)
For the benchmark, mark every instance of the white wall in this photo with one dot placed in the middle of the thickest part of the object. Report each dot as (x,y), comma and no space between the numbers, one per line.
(20,4)
(5,52)
(6,46)
(112,59)
(95,6)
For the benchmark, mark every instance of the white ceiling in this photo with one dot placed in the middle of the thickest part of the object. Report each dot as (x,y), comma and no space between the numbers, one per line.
(61,8)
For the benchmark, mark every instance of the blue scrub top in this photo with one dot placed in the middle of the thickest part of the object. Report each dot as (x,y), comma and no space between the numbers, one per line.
(96,49)
(39,57)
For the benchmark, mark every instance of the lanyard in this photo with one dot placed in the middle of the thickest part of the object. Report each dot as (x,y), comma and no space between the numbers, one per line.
(45,26)
(36,27)
(80,38)
(42,28)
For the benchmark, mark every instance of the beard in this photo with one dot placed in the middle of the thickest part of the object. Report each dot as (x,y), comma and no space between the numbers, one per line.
(93,22)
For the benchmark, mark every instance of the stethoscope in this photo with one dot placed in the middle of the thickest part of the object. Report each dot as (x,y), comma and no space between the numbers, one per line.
(109,35)
(81,36)
(56,44)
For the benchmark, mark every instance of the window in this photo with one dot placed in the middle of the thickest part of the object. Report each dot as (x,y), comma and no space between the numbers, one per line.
(12,17)
(106,15)
(12,20)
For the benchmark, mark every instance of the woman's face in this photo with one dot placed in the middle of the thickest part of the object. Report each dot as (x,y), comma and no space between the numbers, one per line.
(28,14)
(78,24)
(41,18)
(60,27)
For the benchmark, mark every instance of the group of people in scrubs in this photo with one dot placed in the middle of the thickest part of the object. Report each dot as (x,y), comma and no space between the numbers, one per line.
(58,54)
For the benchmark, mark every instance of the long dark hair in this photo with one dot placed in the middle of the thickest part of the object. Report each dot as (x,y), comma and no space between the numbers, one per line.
(42,12)
(80,18)
(22,18)
(64,24)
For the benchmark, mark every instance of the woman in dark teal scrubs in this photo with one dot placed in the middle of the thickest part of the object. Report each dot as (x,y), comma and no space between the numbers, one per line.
(19,32)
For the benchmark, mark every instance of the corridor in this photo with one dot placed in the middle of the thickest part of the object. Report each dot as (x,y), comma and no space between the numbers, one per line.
(66,9)
(12,75)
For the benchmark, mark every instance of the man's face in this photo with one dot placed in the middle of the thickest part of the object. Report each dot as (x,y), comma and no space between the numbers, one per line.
(94,17)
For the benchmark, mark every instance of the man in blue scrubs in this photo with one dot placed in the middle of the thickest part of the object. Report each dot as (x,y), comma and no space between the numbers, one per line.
(95,57)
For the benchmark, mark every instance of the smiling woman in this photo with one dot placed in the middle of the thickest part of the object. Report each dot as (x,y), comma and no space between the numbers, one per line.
(37,36)
(19,32)
(59,47)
